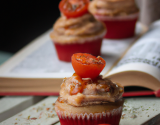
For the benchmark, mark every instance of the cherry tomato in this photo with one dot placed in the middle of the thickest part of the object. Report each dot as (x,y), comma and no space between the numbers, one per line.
(87,66)
(73,8)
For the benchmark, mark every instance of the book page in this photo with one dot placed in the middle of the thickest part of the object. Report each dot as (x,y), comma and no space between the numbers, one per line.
(143,56)
(39,59)
(43,62)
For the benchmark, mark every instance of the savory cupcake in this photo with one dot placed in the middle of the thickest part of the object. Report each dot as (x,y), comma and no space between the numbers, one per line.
(86,98)
(76,30)
(119,16)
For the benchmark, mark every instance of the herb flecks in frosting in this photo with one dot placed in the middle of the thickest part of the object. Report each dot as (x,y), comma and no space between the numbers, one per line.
(77,91)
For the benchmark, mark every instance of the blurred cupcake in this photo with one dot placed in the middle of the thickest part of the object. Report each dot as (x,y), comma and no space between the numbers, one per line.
(76,30)
(89,100)
(119,16)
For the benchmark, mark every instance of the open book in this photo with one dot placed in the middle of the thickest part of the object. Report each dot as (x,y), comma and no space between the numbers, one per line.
(36,70)
(140,66)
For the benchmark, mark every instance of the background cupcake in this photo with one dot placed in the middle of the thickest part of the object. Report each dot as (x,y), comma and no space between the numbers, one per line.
(91,99)
(76,30)
(119,16)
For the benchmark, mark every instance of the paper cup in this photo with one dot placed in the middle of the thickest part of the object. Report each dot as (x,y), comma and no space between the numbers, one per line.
(109,116)
(119,27)
(65,51)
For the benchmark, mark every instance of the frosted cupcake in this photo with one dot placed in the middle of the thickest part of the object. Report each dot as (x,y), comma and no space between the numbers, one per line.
(77,30)
(88,99)
(119,16)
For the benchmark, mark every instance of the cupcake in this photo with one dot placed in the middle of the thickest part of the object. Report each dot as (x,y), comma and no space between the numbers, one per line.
(76,30)
(86,98)
(119,16)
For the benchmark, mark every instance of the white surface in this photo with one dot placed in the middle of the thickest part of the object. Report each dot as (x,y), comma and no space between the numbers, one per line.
(139,110)
(136,110)
(58,123)
(11,105)
(43,112)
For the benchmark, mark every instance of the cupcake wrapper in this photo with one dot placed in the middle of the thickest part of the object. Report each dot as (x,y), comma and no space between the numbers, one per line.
(110,117)
(65,51)
(119,27)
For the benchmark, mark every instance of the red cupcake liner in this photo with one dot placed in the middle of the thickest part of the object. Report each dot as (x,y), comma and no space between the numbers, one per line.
(108,117)
(119,27)
(65,51)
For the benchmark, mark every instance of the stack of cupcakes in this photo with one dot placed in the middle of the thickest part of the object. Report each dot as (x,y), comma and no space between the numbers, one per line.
(119,16)
(77,30)
(86,98)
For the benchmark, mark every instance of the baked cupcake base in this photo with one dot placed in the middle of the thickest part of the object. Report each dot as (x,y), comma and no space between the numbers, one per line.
(89,115)
(65,51)
(119,27)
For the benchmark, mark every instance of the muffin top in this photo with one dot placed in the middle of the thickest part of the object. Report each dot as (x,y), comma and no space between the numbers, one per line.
(78,29)
(113,7)
(86,86)
(79,91)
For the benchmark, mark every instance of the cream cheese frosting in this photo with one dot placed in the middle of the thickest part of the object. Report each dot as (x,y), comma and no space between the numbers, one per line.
(77,29)
(113,7)
(89,92)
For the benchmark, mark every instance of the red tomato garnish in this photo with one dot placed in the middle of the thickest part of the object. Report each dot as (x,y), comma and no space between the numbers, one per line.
(77,85)
(87,66)
(73,8)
